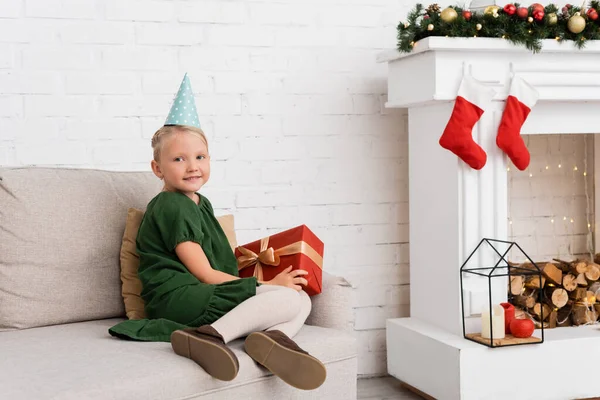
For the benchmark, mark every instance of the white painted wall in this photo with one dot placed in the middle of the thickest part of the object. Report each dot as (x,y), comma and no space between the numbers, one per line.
(550,194)
(288,92)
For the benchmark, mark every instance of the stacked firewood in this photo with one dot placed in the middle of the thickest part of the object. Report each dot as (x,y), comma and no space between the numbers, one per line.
(569,290)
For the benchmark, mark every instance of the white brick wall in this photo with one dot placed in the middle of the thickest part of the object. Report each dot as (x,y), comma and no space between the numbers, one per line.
(288,92)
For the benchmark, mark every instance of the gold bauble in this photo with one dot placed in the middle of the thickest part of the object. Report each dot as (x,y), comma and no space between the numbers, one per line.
(576,24)
(491,10)
(552,19)
(449,15)
(430,27)
(478,27)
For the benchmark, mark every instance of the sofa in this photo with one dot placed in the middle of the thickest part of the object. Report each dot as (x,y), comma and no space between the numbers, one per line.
(61,233)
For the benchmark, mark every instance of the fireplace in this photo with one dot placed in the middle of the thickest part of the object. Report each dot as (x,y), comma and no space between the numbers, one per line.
(452,207)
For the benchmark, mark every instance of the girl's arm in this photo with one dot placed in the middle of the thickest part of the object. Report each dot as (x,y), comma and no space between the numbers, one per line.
(193,257)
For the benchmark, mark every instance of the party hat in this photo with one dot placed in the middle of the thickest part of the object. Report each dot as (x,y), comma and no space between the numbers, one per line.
(183,111)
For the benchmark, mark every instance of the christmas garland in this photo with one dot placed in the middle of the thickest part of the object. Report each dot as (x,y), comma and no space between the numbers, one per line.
(524,26)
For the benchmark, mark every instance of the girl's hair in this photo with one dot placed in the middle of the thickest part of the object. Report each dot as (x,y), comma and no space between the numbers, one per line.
(166,131)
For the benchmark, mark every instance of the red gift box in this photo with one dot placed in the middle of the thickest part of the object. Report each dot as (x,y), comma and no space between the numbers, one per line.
(267,257)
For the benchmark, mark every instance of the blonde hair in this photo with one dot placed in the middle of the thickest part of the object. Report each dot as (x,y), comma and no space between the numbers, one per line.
(159,137)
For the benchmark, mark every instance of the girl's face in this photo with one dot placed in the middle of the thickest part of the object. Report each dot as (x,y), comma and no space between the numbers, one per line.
(184,163)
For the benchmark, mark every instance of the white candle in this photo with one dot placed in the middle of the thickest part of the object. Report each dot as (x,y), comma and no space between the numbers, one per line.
(497,322)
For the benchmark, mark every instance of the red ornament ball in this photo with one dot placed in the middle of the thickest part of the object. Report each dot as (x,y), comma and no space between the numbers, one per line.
(592,14)
(425,16)
(522,12)
(522,328)
(538,15)
(510,9)
(467,15)
(537,6)
(568,5)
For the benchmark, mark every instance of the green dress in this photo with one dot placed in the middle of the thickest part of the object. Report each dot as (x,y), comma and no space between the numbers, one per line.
(174,298)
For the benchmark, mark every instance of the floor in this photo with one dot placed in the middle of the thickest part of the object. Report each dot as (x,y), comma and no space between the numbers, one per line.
(385,388)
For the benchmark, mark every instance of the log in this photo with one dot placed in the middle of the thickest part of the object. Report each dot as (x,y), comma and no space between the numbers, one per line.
(521,314)
(593,273)
(553,319)
(579,294)
(597,309)
(569,282)
(595,287)
(533,282)
(516,285)
(524,301)
(538,308)
(564,314)
(564,266)
(581,281)
(557,297)
(590,297)
(565,323)
(579,267)
(553,274)
(581,315)
(528,266)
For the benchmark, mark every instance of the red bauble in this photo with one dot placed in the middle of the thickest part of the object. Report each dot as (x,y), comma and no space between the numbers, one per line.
(425,16)
(592,14)
(510,9)
(522,328)
(568,5)
(537,6)
(522,12)
(467,15)
(538,15)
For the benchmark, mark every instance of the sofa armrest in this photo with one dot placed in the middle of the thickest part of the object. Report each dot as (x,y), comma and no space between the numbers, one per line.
(333,307)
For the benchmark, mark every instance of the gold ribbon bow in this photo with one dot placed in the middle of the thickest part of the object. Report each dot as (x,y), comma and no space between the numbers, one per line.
(269,256)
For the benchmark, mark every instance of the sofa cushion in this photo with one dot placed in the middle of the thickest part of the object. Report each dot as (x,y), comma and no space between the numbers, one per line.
(80,361)
(60,237)
(130,260)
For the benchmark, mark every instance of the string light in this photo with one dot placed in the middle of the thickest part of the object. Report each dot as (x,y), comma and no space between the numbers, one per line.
(566,238)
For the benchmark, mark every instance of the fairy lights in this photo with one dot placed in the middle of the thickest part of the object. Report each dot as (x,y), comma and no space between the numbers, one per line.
(555,213)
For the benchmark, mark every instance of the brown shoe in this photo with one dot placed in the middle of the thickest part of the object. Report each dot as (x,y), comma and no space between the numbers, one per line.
(206,347)
(284,358)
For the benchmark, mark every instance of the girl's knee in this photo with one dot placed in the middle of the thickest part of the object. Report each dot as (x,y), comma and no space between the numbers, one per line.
(291,298)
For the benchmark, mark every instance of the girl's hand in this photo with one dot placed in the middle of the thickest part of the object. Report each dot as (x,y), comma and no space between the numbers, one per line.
(289,278)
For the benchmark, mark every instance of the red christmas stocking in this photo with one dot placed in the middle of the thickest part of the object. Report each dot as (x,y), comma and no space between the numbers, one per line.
(471,99)
(521,99)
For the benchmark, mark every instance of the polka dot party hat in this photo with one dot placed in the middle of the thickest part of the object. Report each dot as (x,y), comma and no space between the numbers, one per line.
(183,111)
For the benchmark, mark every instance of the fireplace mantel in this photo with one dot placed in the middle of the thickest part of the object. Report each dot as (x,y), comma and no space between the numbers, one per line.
(453,206)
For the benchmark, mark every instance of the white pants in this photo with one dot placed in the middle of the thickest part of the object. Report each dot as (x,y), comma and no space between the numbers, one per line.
(273,308)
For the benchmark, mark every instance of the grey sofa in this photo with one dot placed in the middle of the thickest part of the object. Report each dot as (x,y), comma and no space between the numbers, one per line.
(60,291)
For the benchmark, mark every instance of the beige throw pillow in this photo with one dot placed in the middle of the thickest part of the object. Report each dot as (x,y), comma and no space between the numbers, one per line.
(132,287)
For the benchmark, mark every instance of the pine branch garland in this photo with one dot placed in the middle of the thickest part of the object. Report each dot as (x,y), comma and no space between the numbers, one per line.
(527,32)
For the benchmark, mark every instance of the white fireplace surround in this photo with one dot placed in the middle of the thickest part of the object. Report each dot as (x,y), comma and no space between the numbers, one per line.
(452,207)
